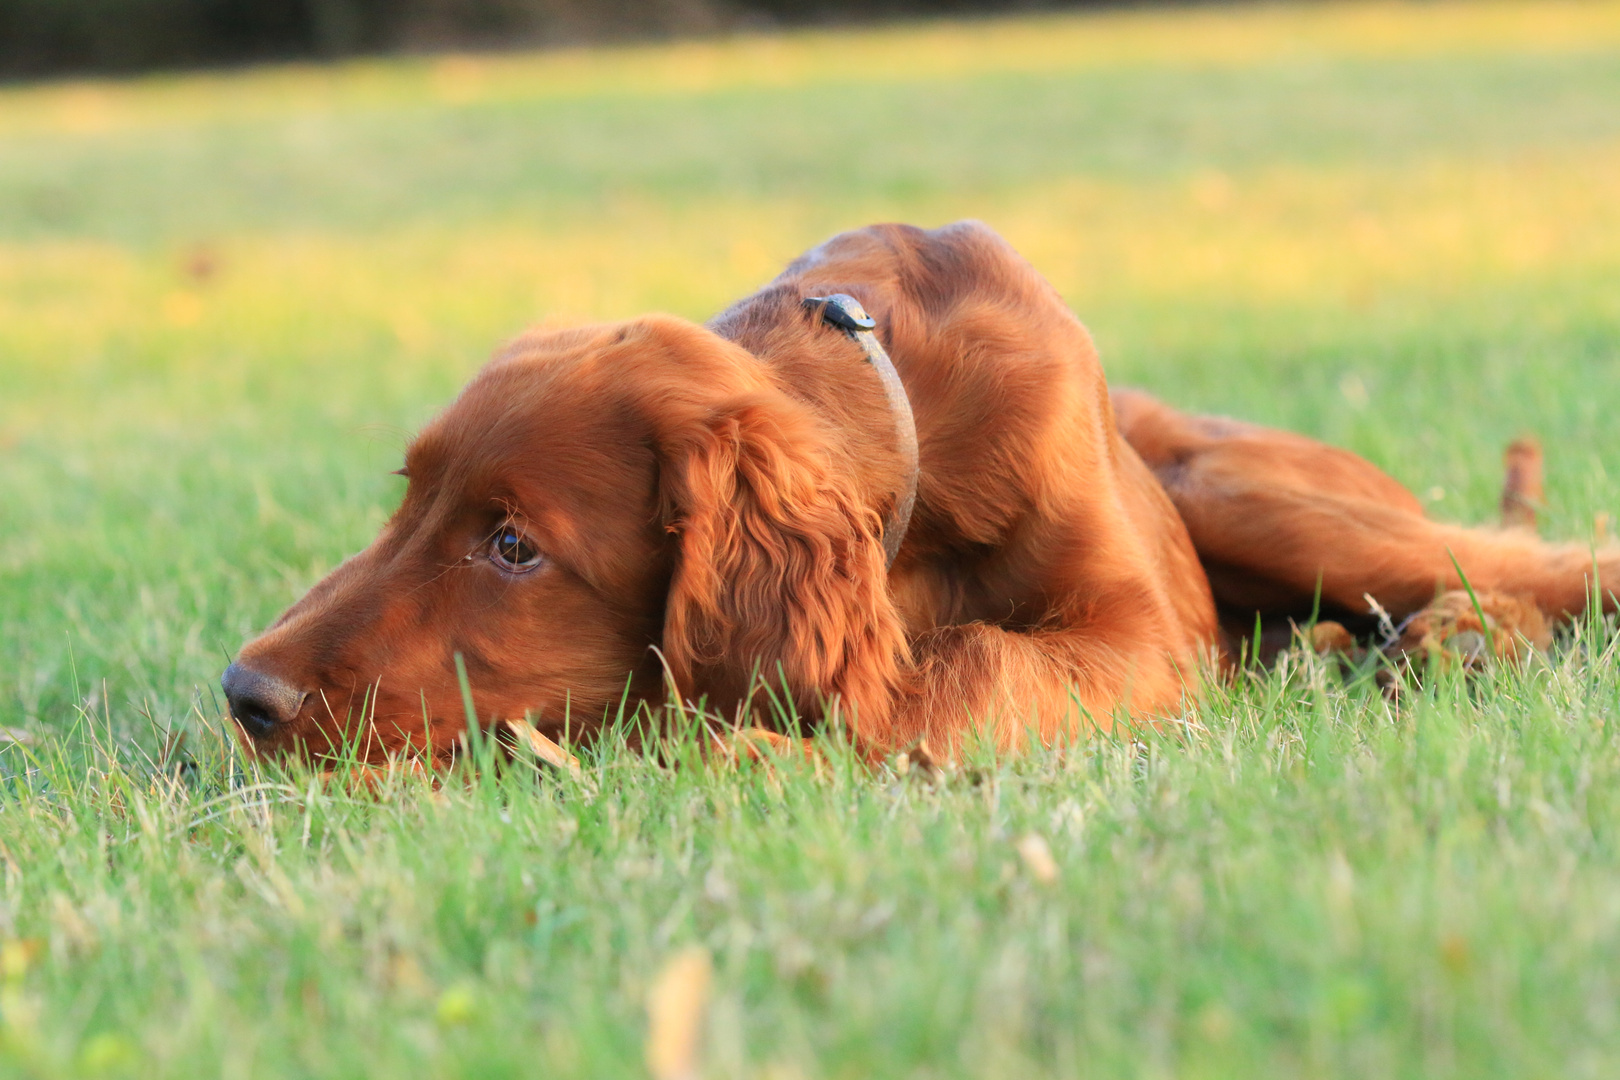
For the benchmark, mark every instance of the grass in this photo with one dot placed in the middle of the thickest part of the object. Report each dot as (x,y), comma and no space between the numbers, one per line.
(228,298)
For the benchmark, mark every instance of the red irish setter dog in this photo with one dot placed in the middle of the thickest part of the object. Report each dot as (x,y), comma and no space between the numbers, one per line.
(622,512)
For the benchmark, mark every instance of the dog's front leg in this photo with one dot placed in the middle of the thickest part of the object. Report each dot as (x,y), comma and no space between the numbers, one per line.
(1007,689)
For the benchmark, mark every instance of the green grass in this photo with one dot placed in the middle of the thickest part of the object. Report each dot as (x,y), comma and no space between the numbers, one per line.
(1391,227)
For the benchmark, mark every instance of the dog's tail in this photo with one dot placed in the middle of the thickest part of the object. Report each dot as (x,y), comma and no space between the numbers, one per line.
(1521,483)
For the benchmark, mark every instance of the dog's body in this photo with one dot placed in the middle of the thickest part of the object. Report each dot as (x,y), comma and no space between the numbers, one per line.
(704,506)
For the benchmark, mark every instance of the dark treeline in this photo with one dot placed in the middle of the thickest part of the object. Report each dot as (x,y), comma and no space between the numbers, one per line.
(46,37)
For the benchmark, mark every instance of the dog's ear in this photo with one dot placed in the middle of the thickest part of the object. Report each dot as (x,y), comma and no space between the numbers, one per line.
(779,575)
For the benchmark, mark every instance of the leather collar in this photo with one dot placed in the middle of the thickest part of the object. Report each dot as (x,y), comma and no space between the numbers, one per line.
(845,312)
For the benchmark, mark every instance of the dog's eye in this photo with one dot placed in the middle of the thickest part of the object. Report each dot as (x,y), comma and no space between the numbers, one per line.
(511,552)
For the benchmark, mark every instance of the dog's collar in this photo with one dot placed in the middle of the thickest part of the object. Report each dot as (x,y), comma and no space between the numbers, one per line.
(845,312)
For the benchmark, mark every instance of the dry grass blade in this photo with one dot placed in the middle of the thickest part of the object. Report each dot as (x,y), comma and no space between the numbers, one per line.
(543,748)
(676,1007)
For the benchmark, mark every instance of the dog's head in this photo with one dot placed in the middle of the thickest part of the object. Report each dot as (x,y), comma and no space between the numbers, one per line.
(599,508)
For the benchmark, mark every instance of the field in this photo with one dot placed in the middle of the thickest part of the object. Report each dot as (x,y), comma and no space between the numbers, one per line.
(226,300)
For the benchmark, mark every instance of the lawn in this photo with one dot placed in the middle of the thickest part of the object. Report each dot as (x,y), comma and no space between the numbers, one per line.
(227,298)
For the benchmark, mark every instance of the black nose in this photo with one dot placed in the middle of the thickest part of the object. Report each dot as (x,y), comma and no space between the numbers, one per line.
(259,701)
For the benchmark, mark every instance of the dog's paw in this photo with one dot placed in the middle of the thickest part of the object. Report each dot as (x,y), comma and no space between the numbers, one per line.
(1330,638)
(1456,632)
(767,748)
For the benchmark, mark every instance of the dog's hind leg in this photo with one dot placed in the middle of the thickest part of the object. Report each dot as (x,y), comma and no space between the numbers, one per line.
(1283,524)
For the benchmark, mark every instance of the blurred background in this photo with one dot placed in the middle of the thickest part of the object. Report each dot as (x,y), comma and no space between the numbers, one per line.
(54,36)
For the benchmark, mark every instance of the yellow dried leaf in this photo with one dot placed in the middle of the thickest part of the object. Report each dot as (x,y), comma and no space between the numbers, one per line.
(1038,858)
(676,1007)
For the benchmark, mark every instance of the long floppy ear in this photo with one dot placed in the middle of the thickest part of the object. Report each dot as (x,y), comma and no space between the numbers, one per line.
(780,571)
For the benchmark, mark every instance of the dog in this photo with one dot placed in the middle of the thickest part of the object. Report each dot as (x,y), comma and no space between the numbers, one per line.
(889,492)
